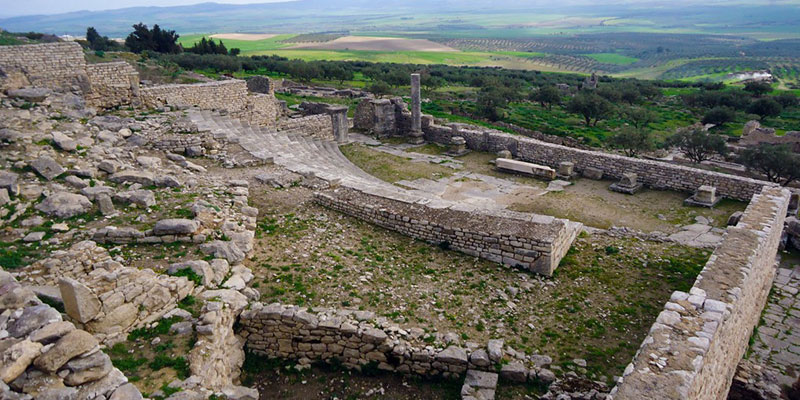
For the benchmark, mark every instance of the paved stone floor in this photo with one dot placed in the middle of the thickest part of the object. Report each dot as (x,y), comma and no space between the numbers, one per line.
(777,343)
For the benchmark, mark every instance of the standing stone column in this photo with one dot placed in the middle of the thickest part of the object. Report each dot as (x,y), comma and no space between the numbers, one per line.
(340,123)
(416,134)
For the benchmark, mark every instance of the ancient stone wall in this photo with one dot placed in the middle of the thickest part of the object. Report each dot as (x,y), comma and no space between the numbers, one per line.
(44,357)
(318,126)
(113,84)
(753,134)
(655,174)
(533,242)
(58,66)
(693,348)
(229,96)
(358,338)
(104,297)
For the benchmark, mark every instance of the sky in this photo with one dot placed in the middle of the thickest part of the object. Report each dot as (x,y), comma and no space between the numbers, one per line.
(10,8)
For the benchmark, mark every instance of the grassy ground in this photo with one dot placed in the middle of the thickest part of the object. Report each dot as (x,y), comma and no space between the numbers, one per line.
(598,307)
(612,58)
(391,168)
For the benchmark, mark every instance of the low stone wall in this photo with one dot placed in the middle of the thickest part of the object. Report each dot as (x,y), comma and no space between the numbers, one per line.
(532,242)
(113,84)
(59,66)
(229,96)
(104,297)
(358,338)
(44,357)
(655,174)
(693,348)
(319,126)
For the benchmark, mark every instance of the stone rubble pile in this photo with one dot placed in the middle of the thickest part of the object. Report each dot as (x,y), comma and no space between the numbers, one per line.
(45,357)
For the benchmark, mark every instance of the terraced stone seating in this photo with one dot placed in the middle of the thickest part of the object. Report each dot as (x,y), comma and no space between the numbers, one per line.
(536,243)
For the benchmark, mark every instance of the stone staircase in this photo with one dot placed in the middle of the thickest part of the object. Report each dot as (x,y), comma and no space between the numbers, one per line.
(303,155)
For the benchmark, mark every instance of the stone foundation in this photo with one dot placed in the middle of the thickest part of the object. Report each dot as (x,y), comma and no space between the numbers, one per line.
(532,242)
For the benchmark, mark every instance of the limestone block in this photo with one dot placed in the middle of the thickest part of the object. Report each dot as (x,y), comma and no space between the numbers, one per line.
(80,302)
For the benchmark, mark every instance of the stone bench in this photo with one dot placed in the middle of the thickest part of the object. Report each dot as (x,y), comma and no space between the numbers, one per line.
(539,171)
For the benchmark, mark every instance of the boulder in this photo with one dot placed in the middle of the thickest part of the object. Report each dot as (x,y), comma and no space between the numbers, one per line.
(199,267)
(65,205)
(375,336)
(148,162)
(87,369)
(240,393)
(17,358)
(452,355)
(69,346)
(76,182)
(33,237)
(480,358)
(514,372)
(103,387)
(221,249)
(31,95)
(52,332)
(546,376)
(116,320)
(80,303)
(8,181)
(64,142)
(93,192)
(33,318)
(126,392)
(143,178)
(47,167)
(105,204)
(58,393)
(4,197)
(495,349)
(140,197)
(176,226)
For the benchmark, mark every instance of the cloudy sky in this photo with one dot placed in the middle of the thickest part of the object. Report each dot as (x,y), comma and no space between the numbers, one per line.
(29,7)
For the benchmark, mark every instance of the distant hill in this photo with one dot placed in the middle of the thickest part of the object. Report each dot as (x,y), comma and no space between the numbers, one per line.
(505,18)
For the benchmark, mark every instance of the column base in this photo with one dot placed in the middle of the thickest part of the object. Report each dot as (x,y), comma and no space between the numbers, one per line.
(416,137)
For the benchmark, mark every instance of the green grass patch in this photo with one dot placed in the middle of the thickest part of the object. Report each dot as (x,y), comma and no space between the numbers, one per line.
(612,58)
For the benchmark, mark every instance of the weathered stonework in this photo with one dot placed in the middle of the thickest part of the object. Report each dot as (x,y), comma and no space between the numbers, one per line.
(113,84)
(532,242)
(230,96)
(693,348)
(58,66)
(110,299)
(358,338)
(38,343)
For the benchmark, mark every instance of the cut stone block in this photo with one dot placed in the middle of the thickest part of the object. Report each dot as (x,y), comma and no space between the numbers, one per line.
(540,171)
(628,184)
(565,170)
(705,196)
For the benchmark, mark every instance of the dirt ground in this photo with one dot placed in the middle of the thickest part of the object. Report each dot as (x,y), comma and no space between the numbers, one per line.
(587,201)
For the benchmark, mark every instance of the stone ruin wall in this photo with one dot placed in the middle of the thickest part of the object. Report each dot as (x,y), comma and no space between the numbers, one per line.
(229,96)
(655,174)
(532,242)
(358,338)
(104,297)
(113,84)
(389,117)
(318,126)
(59,66)
(62,66)
(754,134)
(696,343)
(39,344)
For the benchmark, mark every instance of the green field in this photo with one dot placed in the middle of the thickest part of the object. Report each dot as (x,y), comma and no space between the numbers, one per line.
(612,58)
(248,47)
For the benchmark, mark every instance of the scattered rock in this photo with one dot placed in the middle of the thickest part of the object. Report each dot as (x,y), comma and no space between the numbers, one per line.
(32,95)
(17,358)
(64,142)
(176,226)
(65,205)
(140,197)
(47,167)
(33,318)
(70,345)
